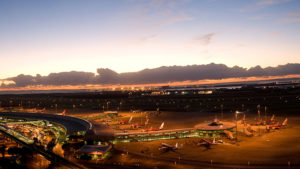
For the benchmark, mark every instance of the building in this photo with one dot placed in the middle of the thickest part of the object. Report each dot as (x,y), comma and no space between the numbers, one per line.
(111,113)
(204,130)
(94,152)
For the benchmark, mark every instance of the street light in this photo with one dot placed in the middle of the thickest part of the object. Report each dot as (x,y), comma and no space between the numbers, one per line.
(236,126)
(265,113)
(222,111)
(120,105)
(107,103)
(258,112)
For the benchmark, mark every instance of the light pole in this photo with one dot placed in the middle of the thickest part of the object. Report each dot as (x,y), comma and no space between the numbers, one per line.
(258,112)
(243,107)
(236,126)
(266,113)
(107,103)
(56,108)
(120,105)
(222,112)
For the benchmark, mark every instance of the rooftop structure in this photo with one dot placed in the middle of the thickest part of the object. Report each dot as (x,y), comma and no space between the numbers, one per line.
(95,152)
(205,130)
(214,126)
(94,149)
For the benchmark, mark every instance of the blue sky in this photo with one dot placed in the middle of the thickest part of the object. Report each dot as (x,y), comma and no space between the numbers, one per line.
(131,35)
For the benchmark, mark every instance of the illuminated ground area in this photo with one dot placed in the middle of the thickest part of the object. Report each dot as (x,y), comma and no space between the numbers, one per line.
(70,123)
(44,131)
(276,147)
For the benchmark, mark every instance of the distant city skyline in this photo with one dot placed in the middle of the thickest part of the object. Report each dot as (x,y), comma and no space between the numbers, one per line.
(42,37)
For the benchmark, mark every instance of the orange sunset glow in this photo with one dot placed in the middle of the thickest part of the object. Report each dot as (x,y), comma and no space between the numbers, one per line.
(142,86)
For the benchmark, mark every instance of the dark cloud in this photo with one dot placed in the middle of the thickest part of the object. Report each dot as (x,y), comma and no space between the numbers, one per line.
(62,78)
(205,39)
(23,80)
(106,76)
(157,75)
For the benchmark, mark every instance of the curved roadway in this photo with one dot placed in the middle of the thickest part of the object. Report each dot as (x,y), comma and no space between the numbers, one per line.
(72,124)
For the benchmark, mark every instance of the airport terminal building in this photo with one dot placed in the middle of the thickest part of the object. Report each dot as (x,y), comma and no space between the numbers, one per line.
(203,130)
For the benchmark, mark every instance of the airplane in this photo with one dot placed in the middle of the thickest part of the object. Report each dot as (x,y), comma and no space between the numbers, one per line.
(248,133)
(126,121)
(155,129)
(284,123)
(167,147)
(229,134)
(40,110)
(275,126)
(272,120)
(208,143)
(258,123)
(63,113)
(278,125)
(139,125)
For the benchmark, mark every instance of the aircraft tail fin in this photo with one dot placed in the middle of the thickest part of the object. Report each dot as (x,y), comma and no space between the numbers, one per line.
(130,119)
(247,132)
(229,134)
(162,126)
(272,118)
(64,112)
(147,121)
(284,123)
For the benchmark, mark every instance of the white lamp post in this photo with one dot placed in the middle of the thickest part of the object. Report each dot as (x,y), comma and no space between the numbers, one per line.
(236,126)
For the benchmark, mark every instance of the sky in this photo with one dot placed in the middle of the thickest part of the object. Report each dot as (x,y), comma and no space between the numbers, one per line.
(40,37)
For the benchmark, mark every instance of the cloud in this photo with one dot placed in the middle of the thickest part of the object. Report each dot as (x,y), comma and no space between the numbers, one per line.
(155,14)
(292,17)
(205,39)
(270,2)
(274,34)
(149,76)
(146,38)
(62,78)
(294,13)
(260,4)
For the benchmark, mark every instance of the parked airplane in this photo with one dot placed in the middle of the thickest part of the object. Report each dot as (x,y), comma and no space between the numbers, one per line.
(272,120)
(208,143)
(284,123)
(126,121)
(63,113)
(278,125)
(248,133)
(155,129)
(35,110)
(229,134)
(167,147)
(139,125)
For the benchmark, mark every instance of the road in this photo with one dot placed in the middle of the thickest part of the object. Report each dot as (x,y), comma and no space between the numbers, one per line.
(56,159)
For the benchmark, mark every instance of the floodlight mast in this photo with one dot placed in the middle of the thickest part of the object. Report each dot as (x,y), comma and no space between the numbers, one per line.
(236,126)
